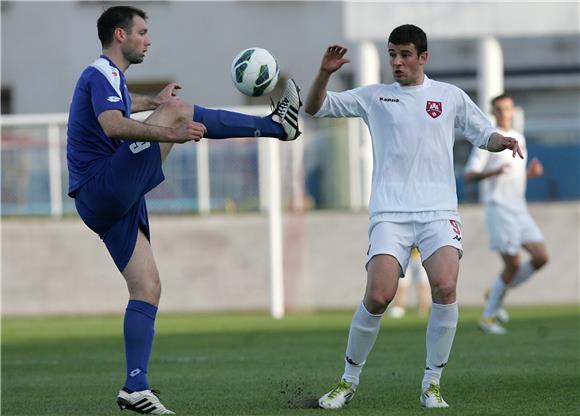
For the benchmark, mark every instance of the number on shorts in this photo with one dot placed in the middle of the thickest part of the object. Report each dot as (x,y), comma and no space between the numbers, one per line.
(455,227)
(137,147)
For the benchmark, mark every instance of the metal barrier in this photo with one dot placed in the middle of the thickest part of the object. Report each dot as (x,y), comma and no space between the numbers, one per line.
(29,142)
(268,160)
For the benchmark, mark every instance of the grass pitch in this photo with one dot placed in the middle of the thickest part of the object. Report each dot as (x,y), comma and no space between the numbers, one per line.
(249,364)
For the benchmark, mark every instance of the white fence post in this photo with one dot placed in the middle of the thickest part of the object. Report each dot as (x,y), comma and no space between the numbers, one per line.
(275,229)
(203,187)
(368,72)
(263,174)
(297,172)
(354,164)
(489,72)
(54,170)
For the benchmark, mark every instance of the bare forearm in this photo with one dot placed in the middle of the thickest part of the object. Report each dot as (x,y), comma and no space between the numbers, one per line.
(141,102)
(479,176)
(122,128)
(317,93)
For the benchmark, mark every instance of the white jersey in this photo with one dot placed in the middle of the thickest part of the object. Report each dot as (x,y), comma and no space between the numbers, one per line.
(509,188)
(412,130)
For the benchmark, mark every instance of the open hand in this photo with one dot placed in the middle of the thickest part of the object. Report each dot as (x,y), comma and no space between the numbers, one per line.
(334,59)
(168,93)
(513,145)
(535,169)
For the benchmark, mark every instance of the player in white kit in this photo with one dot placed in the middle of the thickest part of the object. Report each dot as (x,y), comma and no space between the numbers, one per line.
(413,197)
(510,225)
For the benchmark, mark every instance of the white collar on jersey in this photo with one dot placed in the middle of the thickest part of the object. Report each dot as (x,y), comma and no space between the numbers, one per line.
(426,83)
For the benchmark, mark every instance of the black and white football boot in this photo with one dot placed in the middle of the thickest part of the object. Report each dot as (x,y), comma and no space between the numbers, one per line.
(286,111)
(144,401)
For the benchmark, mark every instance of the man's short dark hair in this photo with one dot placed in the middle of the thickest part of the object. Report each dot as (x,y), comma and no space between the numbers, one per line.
(501,97)
(115,17)
(409,34)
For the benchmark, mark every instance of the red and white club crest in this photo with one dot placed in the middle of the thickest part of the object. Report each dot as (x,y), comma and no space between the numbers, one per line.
(434,108)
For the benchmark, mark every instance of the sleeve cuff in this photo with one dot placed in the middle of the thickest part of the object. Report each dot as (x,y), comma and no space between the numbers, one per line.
(488,137)
(322,110)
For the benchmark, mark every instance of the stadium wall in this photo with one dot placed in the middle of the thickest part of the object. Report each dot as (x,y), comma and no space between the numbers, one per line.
(220,262)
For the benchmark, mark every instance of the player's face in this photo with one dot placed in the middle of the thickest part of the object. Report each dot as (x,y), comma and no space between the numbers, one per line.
(137,41)
(407,66)
(503,111)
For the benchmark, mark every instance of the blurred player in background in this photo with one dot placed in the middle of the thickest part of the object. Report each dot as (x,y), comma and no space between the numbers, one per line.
(413,198)
(510,225)
(114,161)
(415,275)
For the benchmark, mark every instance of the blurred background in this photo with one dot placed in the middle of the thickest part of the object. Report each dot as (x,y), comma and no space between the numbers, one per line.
(212,218)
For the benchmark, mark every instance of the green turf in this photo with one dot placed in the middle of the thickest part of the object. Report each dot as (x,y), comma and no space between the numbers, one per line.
(249,364)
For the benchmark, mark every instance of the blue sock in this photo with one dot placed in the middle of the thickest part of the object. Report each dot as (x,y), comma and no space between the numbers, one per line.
(139,329)
(222,124)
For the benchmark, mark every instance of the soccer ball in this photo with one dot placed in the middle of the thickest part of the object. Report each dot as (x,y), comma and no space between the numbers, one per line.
(255,72)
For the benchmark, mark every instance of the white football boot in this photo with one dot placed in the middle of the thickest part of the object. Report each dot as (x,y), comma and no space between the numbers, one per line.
(144,401)
(340,394)
(501,313)
(492,326)
(431,397)
(286,111)
(396,312)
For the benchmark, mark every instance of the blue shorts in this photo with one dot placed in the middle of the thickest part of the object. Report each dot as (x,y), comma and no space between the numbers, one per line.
(112,203)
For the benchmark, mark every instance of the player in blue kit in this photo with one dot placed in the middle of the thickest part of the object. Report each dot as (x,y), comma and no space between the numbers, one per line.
(114,161)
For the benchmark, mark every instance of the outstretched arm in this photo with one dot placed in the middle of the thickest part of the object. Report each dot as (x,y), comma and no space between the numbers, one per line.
(141,102)
(479,176)
(498,142)
(118,127)
(332,61)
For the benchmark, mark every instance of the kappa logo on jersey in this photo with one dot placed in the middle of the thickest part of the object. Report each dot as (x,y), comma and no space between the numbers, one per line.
(389,100)
(137,147)
(434,108)
(113,99)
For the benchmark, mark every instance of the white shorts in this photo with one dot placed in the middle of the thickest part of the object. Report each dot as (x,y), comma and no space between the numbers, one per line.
(509,230)
(397,239)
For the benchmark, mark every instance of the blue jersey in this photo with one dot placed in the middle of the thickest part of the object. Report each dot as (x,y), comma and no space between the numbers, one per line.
(101,87)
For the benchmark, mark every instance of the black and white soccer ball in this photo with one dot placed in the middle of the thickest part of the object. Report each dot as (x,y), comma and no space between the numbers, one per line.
(255,72)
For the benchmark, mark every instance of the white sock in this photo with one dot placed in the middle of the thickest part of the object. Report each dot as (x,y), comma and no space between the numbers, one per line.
(440,334)
(524,273)
(364,329)
(496,295)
